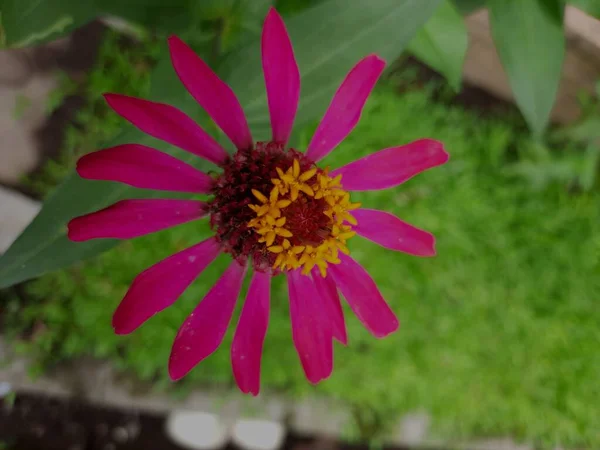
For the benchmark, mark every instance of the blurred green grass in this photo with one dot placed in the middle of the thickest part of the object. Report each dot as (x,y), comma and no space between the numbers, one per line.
(499,332)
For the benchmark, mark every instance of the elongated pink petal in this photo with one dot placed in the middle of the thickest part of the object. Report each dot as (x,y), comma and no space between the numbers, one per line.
(247,346)
(143,167)
(131,218)
(392,166)
(331,301)
(364,298)
(311,329)
(204,329)
(211,92)
(157,287)
(390,232)
(282,77)
(345,108)
(169,124)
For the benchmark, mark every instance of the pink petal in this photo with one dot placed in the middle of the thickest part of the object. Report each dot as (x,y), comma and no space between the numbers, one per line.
(168,124)
(204,329)
(131,218)
(143,167)
(331,301)
(246,350)
(392,166)
(364,298)
(214,95)
(390,232)
(311,329)
(282,76)
(345,108)
(157,287)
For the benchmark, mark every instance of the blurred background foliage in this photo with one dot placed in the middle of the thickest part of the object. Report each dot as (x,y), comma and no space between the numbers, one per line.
(528,34)
(500,331)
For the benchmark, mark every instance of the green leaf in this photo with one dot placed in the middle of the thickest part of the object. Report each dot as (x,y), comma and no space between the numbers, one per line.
(286,7)
(328,41)
(240,22)
(531,44)
(589,172)
(171,16)
(442,43)
(25,22)
(586,130)
(468,6)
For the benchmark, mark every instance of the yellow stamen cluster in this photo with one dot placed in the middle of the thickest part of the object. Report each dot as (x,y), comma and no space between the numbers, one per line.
(270,219)
(294,182)
(268,222)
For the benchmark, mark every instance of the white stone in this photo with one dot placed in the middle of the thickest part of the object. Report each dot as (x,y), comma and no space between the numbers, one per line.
(258,434)
(413,429)
(16,212)
(5,389)
(196,430)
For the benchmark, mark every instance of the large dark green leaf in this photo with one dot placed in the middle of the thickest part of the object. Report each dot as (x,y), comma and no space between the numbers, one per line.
(442,43)
(531,44)
(24,22)
(171,16)
(328,40)
(468,6)
(239,21)
(27,22)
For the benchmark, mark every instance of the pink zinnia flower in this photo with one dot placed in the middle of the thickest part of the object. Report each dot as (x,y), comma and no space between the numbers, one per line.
(271,208)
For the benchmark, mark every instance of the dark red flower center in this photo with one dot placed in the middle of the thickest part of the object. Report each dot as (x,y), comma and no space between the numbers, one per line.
(229,209)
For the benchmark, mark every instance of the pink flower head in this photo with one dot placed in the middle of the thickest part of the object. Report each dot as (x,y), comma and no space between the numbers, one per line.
(271,208)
